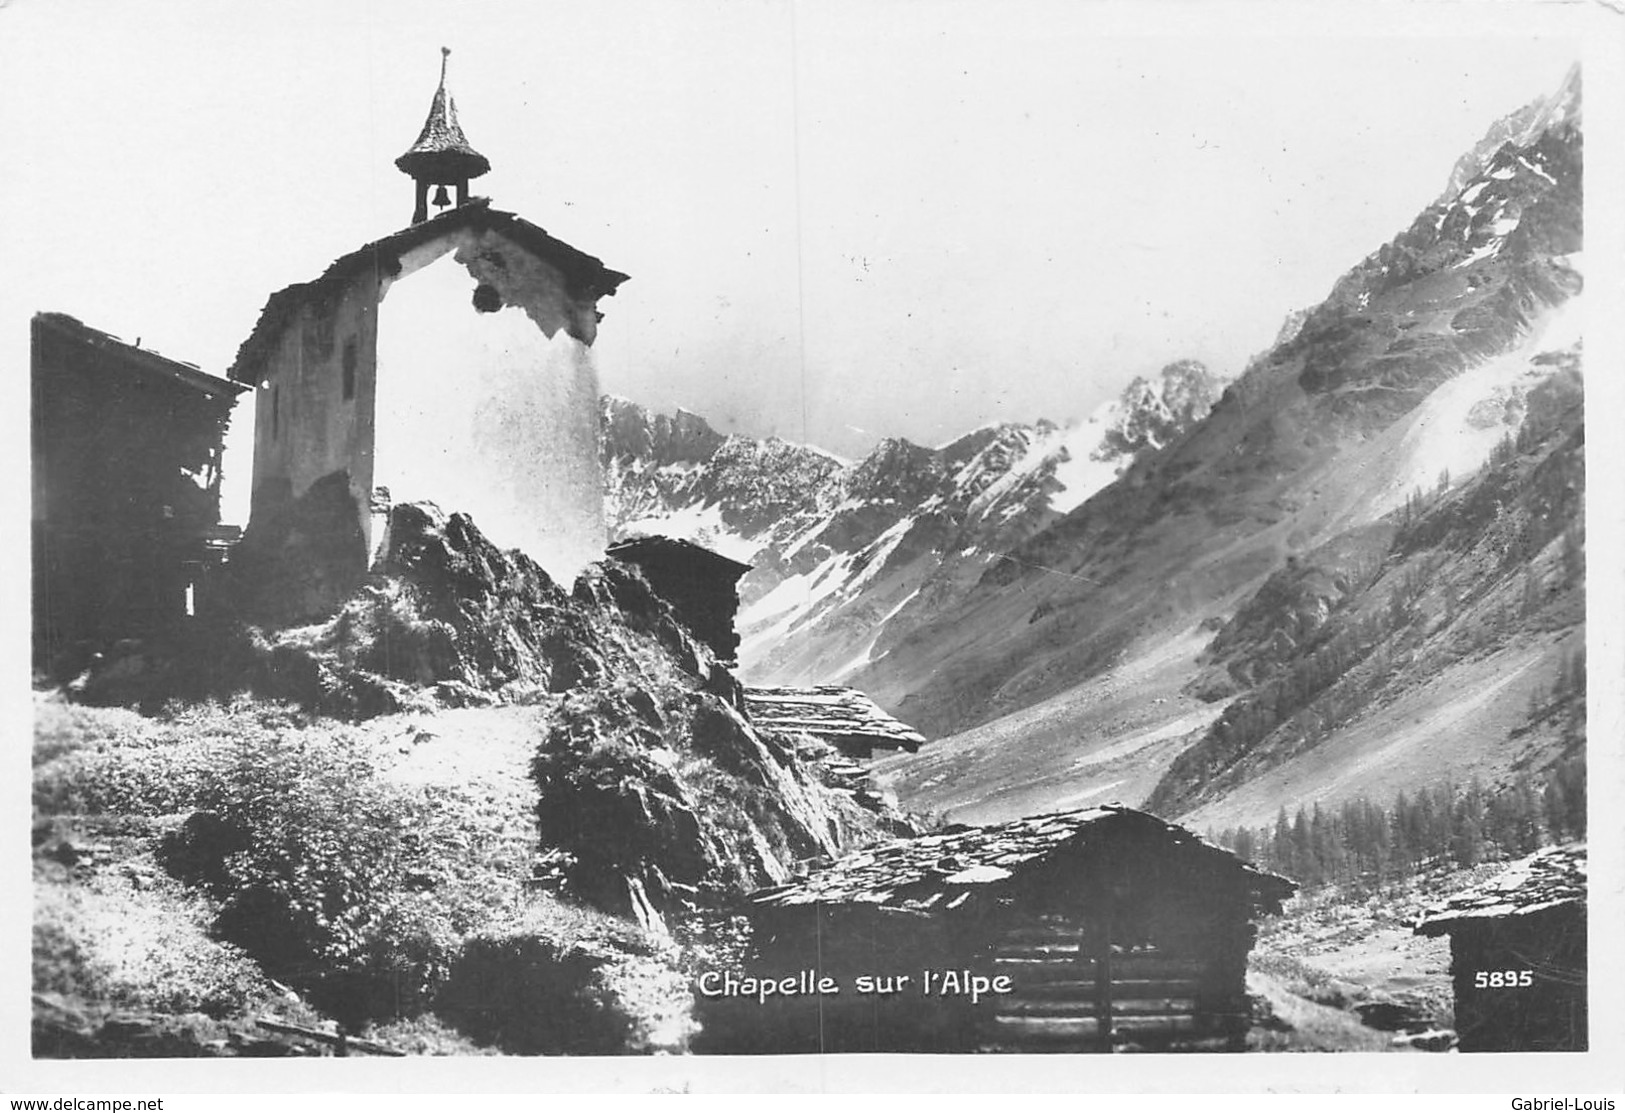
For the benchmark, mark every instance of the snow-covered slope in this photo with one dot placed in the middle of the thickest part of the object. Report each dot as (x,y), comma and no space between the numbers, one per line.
(850,556)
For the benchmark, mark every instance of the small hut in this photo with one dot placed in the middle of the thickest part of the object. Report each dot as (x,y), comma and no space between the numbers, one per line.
(844,717)
(1105,929)
(1518,955)
(701,585)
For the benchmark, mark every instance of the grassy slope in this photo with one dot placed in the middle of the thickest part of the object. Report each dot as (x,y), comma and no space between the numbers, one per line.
(116,932)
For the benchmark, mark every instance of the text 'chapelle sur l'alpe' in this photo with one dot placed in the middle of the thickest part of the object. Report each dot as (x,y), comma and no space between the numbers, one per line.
(937,983)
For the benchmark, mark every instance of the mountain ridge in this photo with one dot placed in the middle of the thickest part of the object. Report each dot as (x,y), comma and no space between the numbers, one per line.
(848,556)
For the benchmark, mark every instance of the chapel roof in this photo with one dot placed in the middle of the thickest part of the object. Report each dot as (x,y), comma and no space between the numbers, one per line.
(585,276)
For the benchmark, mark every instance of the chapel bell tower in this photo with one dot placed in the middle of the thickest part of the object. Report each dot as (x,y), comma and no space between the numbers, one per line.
(442,156)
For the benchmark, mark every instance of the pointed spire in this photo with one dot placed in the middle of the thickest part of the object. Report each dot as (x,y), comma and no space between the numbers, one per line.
(442,155)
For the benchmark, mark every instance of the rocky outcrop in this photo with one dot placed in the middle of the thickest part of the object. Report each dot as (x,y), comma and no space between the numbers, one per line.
(654,787)
(445,619)
(660,795)
(1517,128)
(1154,413)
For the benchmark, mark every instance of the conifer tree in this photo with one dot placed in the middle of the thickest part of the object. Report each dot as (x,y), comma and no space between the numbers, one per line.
(1243,844)
(1281,845)
(1467,829)
(1303,849)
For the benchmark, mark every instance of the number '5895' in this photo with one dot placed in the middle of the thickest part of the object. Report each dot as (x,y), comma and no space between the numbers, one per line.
(1502,979)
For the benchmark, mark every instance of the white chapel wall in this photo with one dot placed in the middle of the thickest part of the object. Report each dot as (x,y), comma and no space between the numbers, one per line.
(485,413)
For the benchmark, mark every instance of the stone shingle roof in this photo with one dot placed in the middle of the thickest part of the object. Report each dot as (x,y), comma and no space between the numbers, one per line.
(585,275)
(939,872)
(830,712)
(442,152)
(1548,879)
(635,549)
(137,358)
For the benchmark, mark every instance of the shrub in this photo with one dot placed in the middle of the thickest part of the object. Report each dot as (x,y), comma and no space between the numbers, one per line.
(334,878)
(564,979)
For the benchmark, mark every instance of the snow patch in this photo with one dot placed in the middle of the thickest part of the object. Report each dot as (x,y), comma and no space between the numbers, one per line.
(1080,474)
(702,525)
(1485,252)
(866,655)
(1531,166)
(1033,455)
(1438,437)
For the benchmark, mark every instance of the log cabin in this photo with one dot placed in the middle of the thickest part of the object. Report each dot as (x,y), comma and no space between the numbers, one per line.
(1105,929)
(126,449)
(1518,955)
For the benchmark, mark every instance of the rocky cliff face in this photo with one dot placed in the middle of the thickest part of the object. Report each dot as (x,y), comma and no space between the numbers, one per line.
(851,556)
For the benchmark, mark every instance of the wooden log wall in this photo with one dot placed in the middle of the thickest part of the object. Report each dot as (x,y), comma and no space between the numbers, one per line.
(1074,991)
(1546,1014)
(1119,941)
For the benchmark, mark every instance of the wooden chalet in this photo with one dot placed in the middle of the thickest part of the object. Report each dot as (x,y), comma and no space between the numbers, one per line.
(844,717)
(1518,955)
(1105,929)
(701,585)
(126,449)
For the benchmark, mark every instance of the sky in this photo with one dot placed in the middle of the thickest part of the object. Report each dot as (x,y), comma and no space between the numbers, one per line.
(842,220)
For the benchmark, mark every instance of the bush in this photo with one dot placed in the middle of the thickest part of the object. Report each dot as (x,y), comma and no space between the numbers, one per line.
(337,880)
(564,979)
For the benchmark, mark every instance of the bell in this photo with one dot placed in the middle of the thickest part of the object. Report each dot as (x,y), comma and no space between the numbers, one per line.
(441,197)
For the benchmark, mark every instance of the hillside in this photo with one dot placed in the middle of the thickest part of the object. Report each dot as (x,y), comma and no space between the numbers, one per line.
(1440,621)
(1083,656)
(397,828)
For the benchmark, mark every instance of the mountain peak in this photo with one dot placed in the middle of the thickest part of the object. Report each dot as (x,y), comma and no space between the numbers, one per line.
(631,433)
(1519,129)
